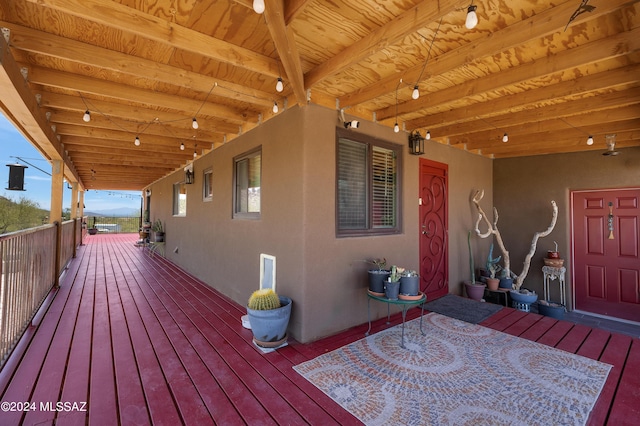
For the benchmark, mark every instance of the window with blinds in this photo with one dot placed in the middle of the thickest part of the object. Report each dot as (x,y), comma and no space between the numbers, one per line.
(367,187)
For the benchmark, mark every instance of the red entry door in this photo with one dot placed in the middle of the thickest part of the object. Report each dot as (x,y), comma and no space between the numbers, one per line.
(606,252)
(434,269)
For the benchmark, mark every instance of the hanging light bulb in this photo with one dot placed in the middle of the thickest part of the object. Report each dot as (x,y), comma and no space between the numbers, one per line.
(275,107)
(86,117)
(182,146)
(472,17)
(428,135)
(396,128)
(194,123)
(590,140)
(195,154)
(505,138)
(258,6)
(416,93)
(279,85)
(137,141)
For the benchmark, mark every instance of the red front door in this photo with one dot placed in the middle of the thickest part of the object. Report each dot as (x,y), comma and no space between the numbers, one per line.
(606,252)
(434,267)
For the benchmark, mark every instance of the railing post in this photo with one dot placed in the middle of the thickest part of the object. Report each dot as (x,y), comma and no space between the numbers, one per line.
(58,251)
(75,235)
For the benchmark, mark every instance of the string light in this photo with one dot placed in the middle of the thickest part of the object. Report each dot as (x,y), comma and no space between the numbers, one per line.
(472,17)
(416,93)
(258,6)
(86,117)
(590,140)
(428,135)
(275,107)
(137,141)
(505,138)
(279,85)
(182,146)
(194,123)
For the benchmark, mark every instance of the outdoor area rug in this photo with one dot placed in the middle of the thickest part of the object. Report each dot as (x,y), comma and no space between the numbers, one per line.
(464,309)
(457,374)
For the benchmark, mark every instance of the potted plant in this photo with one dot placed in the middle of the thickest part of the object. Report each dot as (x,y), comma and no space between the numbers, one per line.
(409,283)
(269,317)
(93,230)
(392,286)
(475,290)
(378,276)
(493,267)
(158,229)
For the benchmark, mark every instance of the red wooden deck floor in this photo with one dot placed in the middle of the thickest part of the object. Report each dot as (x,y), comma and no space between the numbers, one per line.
(141,342)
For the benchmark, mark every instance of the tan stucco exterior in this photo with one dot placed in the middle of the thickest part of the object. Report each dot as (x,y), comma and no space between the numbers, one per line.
(324,275)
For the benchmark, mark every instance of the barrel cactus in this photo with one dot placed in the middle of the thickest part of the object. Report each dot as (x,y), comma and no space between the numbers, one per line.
(264,299)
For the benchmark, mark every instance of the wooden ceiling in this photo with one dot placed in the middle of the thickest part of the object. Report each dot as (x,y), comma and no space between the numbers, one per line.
(146,69)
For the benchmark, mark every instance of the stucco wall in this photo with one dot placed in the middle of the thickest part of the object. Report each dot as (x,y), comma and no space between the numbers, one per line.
(524,188)
(324,275)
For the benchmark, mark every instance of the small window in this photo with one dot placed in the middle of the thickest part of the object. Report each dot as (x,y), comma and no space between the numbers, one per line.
(368,189)
(179,199)
(247,181)
(207,191)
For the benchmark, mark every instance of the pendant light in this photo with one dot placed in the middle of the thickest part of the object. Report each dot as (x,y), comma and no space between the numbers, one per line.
(258,6)
(472,17)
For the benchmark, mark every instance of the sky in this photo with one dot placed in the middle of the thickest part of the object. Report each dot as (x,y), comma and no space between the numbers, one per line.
(37,183)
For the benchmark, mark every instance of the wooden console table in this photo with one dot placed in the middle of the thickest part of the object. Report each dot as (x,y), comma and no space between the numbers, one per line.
(406,304)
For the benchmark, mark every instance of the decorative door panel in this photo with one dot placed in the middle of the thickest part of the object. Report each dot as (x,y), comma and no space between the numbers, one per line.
(434,265)
(606,237)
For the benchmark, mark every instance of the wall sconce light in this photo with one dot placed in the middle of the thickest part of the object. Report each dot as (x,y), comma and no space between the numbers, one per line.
(188,174)
(416,143)
(148,192)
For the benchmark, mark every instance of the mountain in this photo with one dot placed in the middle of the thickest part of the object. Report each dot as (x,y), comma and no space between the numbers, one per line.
(117,212)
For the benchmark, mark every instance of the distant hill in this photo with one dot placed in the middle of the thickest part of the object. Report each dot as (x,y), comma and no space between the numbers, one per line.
(117,212)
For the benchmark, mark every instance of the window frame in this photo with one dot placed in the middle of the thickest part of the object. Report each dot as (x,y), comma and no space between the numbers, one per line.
(176,199)
(207,175)
(245,156)
(369,142)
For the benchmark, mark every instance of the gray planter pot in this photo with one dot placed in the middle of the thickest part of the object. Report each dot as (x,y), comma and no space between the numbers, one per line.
(377,279)
(392,290)
(475,291)
(270,326)
(410,286)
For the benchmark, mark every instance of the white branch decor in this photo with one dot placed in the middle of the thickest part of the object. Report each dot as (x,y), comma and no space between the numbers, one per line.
(492,229)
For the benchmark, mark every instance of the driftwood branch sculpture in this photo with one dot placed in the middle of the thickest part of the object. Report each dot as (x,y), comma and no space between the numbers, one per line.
(492,229)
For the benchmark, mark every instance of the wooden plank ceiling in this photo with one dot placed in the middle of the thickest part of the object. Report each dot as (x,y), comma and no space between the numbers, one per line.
(147,69)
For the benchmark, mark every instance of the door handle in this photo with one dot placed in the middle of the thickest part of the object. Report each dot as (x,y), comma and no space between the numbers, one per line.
(424,232)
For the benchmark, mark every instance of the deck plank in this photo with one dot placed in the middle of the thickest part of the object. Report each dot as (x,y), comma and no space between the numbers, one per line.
(147,343)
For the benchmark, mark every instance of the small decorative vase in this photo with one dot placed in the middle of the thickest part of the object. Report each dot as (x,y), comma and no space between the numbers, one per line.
(493,283)
(410,286)
(392,289)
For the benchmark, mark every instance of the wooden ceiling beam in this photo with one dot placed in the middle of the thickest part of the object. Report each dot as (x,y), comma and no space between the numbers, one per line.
(618,45)
(27,116)
(535,27)
(134,21)
(584,86)
(409,22)
(158,144)
(121,92)
(285,43)
(33,41)
(610,111)
(121,114)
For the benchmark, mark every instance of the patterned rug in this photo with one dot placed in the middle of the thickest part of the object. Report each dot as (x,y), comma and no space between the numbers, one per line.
(457,374)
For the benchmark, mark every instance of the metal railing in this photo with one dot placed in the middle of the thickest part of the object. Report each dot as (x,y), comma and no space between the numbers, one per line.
(32,261)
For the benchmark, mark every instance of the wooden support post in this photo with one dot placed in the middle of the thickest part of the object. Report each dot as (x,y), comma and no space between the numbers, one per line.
(57,182)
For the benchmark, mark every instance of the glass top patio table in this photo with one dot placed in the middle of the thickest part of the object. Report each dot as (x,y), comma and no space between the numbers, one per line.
(406,304)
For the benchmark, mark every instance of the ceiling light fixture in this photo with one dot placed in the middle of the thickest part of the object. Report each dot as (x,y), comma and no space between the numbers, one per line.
(279,85)
(590,136)
(194,123)
(86,117)
(258,6)
(472,17)
(505,136)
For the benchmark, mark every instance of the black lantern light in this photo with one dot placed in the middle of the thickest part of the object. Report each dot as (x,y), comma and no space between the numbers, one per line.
(188,176)
(416,143)
(16,177)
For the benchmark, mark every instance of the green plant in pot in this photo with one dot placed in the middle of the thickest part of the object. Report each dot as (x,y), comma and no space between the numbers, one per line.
(493,267)
(269,316)
(378,276)
(158,229)
(392,286)
(475,290)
